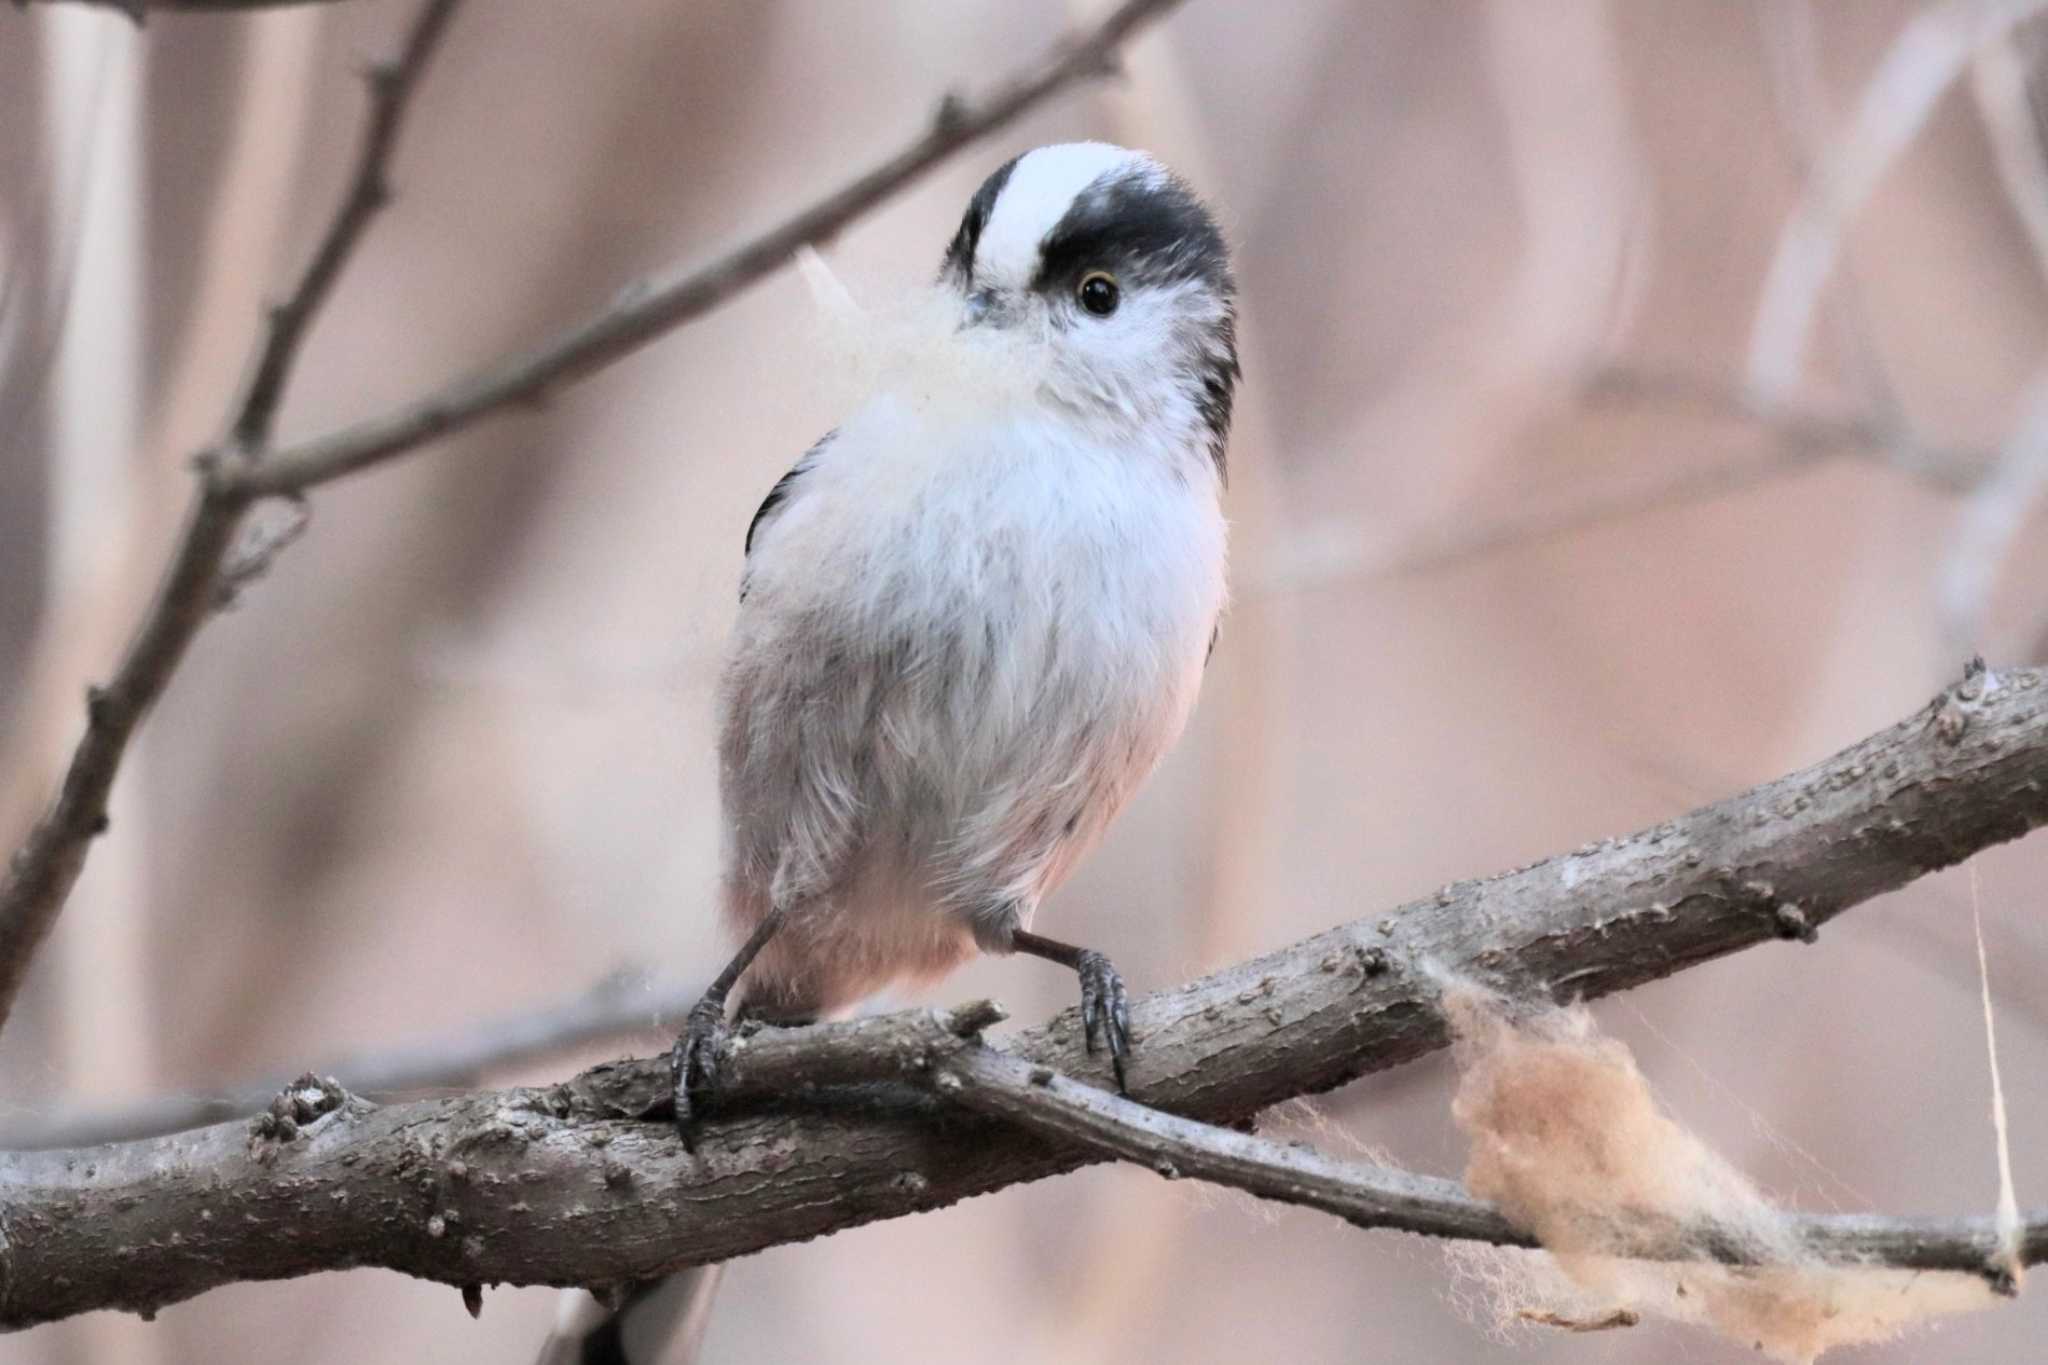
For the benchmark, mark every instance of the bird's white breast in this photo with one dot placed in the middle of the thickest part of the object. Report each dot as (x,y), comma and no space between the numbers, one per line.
(1048,595)
(1089,560)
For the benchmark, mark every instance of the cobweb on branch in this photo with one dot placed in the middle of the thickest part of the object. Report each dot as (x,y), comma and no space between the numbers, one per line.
(1567,1138)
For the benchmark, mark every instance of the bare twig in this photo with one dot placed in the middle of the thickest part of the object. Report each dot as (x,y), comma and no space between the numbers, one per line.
(1803,436)
(1605,1322)
(1991,520)
(138,10)
(391,85)
(1320,565)
(42,872)
(1805,432)
(1926,58)
(651,308)
(1799,93)
(1040,1101)
(1686,487)
(2010,86)
(584,1183)
(617,1009)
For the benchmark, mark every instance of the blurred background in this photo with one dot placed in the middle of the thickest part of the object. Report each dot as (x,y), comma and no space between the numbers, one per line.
(1520,562)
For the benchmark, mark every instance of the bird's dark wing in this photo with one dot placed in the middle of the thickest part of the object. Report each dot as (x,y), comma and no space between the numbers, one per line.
(785,488)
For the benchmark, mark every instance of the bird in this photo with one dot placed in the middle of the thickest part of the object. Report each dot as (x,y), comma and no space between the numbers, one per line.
(972,619)
(977,613)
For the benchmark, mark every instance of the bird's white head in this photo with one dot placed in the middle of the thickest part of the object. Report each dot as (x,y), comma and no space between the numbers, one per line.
(1117,274)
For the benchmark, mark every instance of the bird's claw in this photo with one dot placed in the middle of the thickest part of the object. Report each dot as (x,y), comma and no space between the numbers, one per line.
(694,1064)
(1105,1012)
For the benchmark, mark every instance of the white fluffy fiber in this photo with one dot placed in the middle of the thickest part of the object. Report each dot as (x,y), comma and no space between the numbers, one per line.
(914,347)
(1568,1140)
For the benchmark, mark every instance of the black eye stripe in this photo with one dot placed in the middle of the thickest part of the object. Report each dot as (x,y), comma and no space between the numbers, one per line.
(1143,228)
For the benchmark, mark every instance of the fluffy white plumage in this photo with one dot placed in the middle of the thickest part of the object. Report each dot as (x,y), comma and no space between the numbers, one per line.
(976,615)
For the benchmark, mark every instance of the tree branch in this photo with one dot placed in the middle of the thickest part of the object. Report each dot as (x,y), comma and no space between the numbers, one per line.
(614,1010)
(1803,437)
(138,10)
(651,308)
(42,872)
(1037,1100)
(391,85)
(1926,57)
(582,1183)
(1807,434)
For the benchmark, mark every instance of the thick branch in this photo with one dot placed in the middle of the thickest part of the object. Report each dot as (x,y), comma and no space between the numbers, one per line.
(651,308)
(583,1184)
(138,9)
(614,1011)
(43,871)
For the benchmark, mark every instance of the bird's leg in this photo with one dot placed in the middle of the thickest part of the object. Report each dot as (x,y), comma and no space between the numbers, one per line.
(693,1065)
(1105,1014)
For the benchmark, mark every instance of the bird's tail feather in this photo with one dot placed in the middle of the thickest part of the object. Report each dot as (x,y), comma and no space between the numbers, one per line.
(661,1322)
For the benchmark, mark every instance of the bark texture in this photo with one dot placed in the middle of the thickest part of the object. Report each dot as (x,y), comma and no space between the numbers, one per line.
(586,1182)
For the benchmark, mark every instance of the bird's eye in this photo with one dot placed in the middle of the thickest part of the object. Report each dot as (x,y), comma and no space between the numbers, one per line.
(1098,293)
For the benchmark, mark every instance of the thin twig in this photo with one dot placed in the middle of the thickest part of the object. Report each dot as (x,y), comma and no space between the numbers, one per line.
(585,1183)
(617,1009)
(1991,520)
(1798,427)
(1040,1101)
(138,10)
(1315,566)
(2009,83)
(649,309)
(1798,91)
(391,85)
(1923,61)
(1803,436)
(42,872)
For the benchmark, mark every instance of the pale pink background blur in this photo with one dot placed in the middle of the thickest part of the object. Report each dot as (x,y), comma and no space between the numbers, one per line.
(453,756)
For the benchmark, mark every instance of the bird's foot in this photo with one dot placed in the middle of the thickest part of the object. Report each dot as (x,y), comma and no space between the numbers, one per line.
(1105,1011)
(695,1062)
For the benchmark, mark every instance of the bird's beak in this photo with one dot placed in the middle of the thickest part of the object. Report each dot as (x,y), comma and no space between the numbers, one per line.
(980,306)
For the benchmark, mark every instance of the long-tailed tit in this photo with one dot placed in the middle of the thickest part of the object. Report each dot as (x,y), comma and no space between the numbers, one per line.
(975,615)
